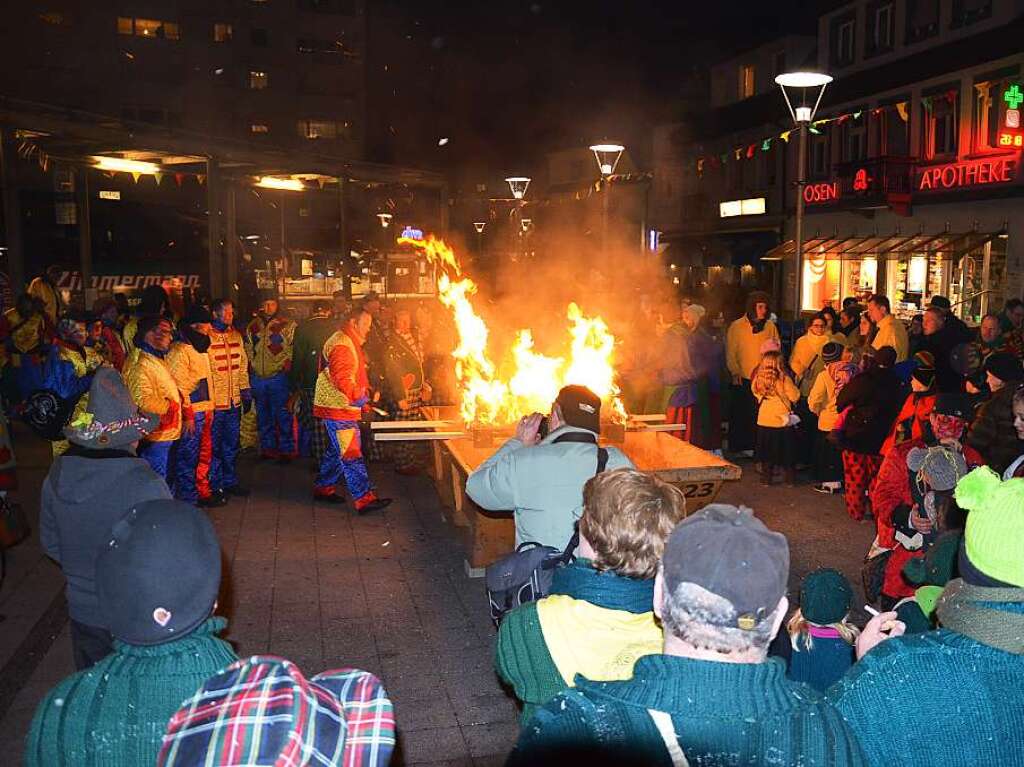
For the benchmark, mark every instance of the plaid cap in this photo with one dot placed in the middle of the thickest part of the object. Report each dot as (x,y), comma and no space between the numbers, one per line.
(263,711)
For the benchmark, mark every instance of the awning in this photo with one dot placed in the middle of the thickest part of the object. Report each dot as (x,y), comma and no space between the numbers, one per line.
(722,248)
(949,245)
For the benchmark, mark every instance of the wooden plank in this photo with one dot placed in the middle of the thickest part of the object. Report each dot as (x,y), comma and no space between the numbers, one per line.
(395,425)
(417,436)
(661,427)
(652,417)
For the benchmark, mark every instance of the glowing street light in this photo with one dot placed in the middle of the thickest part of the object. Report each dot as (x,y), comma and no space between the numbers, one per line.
(802,89)
(479,226)
(607,156)
(282,184)
(118,164)
(385,219)
(518,185)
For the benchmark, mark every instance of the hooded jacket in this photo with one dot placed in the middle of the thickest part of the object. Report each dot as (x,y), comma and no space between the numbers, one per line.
(83,495)
(154,390)
(190,369)
(992,433)
(745,336)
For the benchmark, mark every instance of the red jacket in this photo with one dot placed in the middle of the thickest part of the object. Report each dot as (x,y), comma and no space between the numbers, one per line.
(910,422)
(342,386)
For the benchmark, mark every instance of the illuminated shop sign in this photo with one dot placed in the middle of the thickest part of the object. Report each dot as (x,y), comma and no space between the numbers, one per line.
(752,206)
(412,234)
(816,193)
(955,175)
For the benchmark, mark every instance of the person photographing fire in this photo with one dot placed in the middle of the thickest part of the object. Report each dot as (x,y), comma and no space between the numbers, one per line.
(540,477)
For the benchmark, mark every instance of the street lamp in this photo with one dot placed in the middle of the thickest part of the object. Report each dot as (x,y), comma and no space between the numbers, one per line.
(607,156)
(479,226)
(518,185)
(385,219)
(800,89)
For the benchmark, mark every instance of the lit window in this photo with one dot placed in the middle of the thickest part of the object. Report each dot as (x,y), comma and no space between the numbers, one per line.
(746,81)
(318,129)
(222,33)
(258,80)
(259,128)
(152,28)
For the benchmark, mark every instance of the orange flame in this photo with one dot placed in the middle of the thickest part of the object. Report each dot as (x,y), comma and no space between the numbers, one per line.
(487,399)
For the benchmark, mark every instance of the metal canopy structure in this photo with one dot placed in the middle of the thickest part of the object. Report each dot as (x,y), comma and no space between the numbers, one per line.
(950,245)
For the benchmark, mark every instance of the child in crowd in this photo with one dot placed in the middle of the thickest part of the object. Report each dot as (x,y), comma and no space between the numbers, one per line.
(775,394)
(828,460)
(822,639)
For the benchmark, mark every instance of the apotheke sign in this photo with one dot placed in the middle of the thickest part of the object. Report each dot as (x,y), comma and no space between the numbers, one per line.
(969,173)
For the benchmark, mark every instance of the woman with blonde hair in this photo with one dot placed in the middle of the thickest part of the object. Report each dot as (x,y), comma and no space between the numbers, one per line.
(775,394)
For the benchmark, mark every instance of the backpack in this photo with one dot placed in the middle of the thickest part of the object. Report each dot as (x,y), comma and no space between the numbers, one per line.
(526,574)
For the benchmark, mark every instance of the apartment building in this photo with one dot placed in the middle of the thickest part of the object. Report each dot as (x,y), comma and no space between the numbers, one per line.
(914,184)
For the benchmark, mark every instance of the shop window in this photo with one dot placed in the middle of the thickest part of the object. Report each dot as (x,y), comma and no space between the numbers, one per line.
(913,281)
(821,281)
(922,19)
(222,33)
(259,129)
(152,28)
(967,12)
(259,37)
(747,82)
(258,80)
(940,125)
(842,36)
(881,30)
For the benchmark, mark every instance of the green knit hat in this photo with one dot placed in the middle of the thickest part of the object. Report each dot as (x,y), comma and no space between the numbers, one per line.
(994,535)
(825,596)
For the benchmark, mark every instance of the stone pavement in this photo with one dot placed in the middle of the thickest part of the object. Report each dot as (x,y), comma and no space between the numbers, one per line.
(386,593)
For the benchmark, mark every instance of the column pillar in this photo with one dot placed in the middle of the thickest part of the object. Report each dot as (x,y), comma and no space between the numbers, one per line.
(84,236)
(213,250)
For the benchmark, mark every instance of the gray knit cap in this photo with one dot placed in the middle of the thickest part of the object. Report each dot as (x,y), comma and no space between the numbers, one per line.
(940,466)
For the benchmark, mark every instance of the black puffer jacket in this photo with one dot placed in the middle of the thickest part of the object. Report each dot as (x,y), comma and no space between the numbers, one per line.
(875,397)
(993,435)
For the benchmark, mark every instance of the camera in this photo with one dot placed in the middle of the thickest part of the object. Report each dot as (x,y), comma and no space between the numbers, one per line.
(544,428)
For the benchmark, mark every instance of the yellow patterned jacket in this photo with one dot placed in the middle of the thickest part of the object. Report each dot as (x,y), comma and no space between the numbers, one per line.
(85,362)
(24,336)
(153,389)
(191,372)
(229,368)
(269,345)
(45,292)
(342,386)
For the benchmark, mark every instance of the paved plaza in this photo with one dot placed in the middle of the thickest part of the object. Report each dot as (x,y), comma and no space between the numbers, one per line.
(387,593)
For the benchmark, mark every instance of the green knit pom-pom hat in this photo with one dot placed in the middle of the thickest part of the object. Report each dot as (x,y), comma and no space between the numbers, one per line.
(994,535)
(825,596)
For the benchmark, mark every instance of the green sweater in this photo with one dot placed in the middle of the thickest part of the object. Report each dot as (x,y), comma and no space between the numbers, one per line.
(522,657)
(116,712)
(722,714)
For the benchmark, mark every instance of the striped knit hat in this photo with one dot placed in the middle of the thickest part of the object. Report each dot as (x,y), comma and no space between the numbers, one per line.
(263,711)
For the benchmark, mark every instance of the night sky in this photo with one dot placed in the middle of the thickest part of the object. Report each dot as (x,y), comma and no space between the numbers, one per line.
(507,80)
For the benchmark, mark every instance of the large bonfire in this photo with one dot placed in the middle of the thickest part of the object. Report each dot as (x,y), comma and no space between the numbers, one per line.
(490,398)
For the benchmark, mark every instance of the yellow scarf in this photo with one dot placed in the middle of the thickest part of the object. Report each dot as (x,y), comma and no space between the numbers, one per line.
(599,643)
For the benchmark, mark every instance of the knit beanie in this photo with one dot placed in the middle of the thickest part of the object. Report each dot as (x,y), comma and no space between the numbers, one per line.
(924,369)
(831,352)
(940,467)
(994,535)
(158,575)
(825,596)
(696,310)
(1004,366)
(885,357)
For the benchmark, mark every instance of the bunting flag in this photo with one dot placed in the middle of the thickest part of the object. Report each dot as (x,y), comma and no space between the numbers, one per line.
(135,177)
(785,135)
(901,110)
(201,178)
(738,152)
(766,145)
(700,165)
(179,178)
(856,115)
(159,177)
(926,103)
(750,150)
(724,157)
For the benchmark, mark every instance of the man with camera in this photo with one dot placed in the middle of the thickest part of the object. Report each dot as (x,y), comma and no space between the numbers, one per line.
(541,476)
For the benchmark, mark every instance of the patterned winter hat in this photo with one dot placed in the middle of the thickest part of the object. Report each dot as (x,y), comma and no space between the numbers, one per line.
(939,467)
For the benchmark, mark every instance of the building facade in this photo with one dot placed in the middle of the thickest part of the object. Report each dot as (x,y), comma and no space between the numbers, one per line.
(914,184)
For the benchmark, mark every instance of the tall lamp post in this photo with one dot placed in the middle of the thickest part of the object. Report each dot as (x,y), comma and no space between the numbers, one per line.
(800,89)
(385,222)
(479,226)
(607,156)
(518,185)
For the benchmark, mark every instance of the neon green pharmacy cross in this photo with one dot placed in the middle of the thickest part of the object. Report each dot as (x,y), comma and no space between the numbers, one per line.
(1013,96)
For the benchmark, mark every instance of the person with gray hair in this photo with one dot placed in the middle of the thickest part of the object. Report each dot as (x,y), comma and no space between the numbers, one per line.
(713,696)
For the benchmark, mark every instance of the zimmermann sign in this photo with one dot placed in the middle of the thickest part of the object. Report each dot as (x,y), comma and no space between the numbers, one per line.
(968,174)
